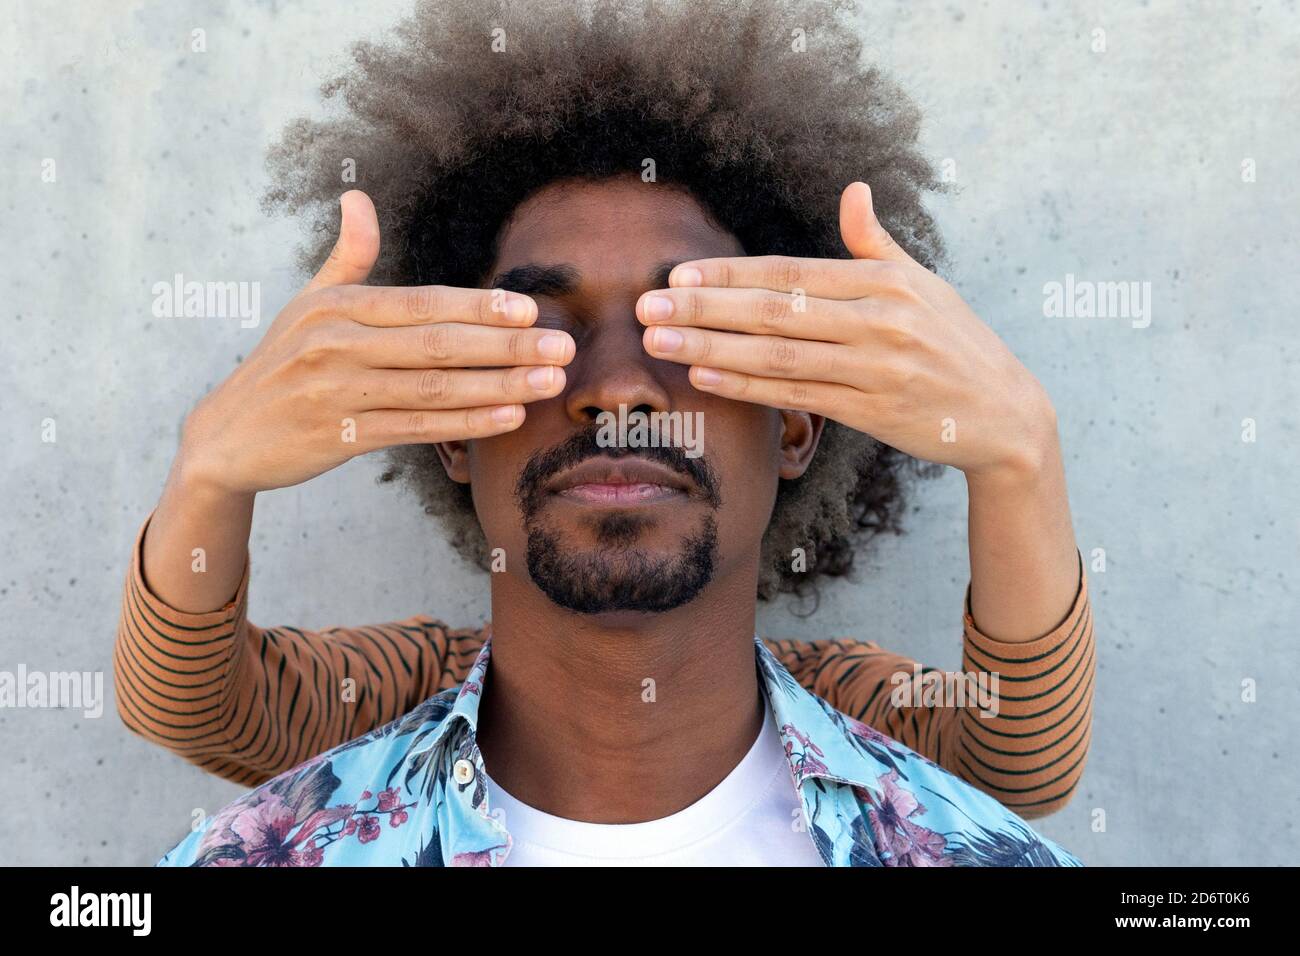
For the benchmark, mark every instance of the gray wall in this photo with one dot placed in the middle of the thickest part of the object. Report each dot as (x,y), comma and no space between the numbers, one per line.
(1120,165)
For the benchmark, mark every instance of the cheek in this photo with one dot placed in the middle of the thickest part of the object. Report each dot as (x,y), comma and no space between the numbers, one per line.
(494,467)
(747,500)
(745,451)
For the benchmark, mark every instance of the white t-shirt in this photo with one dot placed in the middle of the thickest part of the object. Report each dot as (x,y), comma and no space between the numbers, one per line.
(752,818)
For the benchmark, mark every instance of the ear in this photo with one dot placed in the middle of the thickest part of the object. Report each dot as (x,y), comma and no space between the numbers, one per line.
(800,433)
(455,460)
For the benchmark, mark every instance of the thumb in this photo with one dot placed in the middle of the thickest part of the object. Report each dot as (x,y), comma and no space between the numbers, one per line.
(863,235)
(357,246)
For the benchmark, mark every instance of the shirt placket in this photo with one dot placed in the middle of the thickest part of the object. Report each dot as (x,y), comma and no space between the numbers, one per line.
(470,835)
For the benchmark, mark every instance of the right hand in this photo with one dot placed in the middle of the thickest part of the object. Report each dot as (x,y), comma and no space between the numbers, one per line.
(406,365)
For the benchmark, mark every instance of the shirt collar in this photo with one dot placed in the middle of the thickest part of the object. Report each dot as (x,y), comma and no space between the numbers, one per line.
(464,712)
(819,741)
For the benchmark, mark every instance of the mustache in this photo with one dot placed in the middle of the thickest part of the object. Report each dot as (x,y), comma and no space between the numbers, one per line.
(578,447)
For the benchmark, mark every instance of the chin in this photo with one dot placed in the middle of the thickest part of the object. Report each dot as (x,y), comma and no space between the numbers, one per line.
(616,574)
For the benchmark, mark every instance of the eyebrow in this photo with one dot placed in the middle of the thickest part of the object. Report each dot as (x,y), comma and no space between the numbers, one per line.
(562,279)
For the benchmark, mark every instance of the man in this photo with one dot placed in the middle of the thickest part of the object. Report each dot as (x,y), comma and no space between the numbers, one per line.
(623,706)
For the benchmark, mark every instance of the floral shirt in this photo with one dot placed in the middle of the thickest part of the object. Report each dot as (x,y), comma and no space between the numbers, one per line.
(412,792)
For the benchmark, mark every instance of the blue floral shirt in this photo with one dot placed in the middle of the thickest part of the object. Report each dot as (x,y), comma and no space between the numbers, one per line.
(412,792)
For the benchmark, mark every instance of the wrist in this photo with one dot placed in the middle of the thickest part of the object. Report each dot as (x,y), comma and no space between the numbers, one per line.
(1024,465)
(201,470)
(198,485)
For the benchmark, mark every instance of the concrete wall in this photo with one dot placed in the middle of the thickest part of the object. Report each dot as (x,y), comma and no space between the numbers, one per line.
(1125,164)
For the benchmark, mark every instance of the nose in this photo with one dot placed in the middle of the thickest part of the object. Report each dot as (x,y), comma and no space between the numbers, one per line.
(611,368)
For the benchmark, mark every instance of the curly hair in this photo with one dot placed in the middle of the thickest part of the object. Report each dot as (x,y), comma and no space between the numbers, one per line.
(760,109)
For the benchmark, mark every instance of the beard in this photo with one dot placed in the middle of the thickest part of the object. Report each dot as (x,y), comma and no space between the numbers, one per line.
(616,575)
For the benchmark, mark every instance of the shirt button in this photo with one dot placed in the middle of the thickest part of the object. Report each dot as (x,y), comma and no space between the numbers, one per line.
(463,771)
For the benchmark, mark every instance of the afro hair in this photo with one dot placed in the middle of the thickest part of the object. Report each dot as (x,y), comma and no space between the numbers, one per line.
(761,109)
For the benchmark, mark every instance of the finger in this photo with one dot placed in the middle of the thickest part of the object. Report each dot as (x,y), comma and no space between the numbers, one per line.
(457,345)
(822,278)
(863,235)
(391,306)
(836,402)
(392,426)
(356,248)
(770,356)
(456,388)
(752,310)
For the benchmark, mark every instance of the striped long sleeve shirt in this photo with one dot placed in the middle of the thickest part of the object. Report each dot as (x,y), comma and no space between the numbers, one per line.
(248,702)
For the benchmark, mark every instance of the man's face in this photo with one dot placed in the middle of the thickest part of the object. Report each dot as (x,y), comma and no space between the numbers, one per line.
(615,528)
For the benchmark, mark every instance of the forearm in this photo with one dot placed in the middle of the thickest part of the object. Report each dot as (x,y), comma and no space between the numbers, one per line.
(245,702)
(196,545)
(1020,732)
(1023,557)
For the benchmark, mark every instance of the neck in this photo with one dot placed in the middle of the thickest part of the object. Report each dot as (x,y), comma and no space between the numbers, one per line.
(619,718)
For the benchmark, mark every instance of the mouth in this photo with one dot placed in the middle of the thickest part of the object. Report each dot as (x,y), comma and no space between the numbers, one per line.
(623,482)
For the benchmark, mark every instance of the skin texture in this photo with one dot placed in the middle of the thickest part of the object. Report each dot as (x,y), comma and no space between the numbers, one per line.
(882,344)
(764,132)
(405,365)
(885,346)
(580,676)
(879,344)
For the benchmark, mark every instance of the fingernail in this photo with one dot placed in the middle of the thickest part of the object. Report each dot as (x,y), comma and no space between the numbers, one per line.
(656,308)
(553,346)
(707,376)
(667,340)
(686,275)
(505,415)
(517,310)
(541,378)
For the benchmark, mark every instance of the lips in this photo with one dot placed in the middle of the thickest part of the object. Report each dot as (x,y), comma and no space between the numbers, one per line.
(625,481)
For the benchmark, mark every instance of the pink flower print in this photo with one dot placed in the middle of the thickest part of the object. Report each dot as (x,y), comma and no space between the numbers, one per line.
(263,832)
(862,731)
(323,818)
(220,832)
(809,765)
(313,855)
(477,858)
(899,841)
(790,730)
(367,828)
(812,767)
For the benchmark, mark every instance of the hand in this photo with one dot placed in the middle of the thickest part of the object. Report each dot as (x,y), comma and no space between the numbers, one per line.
(878,343)
(346,369)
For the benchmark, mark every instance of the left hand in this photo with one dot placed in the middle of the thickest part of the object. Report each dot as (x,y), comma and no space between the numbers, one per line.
(877,342)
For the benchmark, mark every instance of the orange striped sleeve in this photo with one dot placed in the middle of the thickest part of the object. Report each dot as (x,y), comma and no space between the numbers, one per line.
(1029,755)
(246,702)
